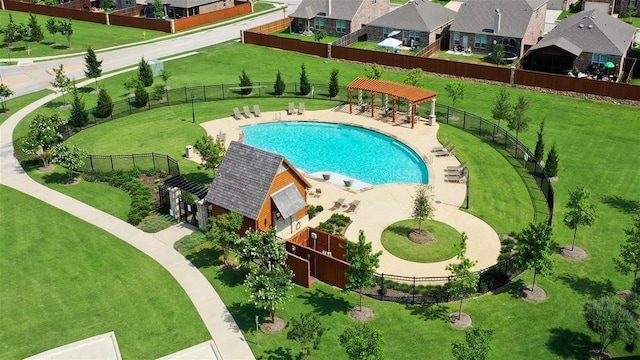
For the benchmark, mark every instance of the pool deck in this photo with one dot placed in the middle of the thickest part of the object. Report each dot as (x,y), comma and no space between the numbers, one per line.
(382,205)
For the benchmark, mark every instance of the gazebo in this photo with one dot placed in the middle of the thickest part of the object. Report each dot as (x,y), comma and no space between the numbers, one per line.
(412,94)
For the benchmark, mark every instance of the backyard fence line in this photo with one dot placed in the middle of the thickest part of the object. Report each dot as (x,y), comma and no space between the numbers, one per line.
(145,161)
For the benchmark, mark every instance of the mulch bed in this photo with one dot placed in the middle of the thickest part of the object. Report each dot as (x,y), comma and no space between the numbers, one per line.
(46,169)
(535,295)
(272,327)
(361,315)
(576,254)
(420,237)
(596,354)
(463,322)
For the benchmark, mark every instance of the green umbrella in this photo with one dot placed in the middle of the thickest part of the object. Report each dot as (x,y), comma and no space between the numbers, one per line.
(609,65)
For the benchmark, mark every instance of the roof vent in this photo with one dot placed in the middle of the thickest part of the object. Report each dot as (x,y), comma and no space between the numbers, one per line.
(590,26)
(580,26)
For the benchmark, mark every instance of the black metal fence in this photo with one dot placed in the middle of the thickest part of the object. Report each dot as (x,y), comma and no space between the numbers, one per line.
(148,161)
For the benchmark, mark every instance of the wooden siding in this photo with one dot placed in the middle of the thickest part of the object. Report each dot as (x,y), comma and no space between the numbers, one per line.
(246,224)
(202,19)
(265,218)
(321,266)
(300,268)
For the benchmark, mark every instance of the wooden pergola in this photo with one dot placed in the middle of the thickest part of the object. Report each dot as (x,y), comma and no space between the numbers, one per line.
(412,94)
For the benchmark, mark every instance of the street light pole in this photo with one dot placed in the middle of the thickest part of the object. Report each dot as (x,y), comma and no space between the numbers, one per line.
(193,111)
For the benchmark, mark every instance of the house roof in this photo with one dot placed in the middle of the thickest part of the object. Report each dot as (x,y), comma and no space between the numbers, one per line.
(478,16)
(288,200)
(592,31)
(414,94)
(418,15)
(340,9)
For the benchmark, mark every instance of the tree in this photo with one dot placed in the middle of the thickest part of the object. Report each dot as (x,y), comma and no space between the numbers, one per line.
(629,261)
(61,82)
(307,331)
(141,95)
(11,32)
(262,247)
(69,157)
(422,207)
(246,86)
(165,75)
(23,33)
(35,29)
(497,54)
(534,250)
(374,72)
(224,231)
(465,281)
(415,77)
(610,321)
(145,74)
(44,133)
(66,29)
(319,35)
(333,84)
(158,9)
(79,115)
(551,164)
(130,83)
(211,151)
(5,93)
(52,28)
(455,90)
(104,107)
(363,265)
(279,86)
(361,342)
(476,345)
(539,152)
(580,212)
(518,121)
(305,86)
(501,109)
(93,66)
(106,4)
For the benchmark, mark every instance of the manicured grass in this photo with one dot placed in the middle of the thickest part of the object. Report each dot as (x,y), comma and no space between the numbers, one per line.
(85,34)
(473,58)
(395,239)
(19,102)
(370,45)
(155,223)
(62,280)
(286,34)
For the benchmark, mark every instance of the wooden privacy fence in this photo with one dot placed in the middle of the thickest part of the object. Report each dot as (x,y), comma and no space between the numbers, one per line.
(301,270)
(56,11)
(141,23)
(301,46)
(202,19)
(272,27)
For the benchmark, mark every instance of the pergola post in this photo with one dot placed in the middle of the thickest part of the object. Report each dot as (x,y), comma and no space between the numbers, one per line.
(359,97)
(350,103)
(393,110)
(413,112)
(432,115)
(373,99)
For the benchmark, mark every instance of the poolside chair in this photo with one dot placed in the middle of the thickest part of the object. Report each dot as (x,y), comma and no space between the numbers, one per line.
(459,178)
(256,110)
(247,112)
(456,168)
(438,148)
(301,109)
(353,206)
(318,192)
(446,151)
(221,137)
(236,113)
(290,110)
(337,204)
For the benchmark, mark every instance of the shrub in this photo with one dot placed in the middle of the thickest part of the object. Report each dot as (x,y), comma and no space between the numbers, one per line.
(245,84)
(551,165)
(104,107)
(141,95)
(305,86)
(145,74)
(333,84)
(311,210)
(319,208)
(279,86)
(158,92)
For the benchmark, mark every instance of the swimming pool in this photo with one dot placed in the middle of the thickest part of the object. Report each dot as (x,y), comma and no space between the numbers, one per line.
(354,152)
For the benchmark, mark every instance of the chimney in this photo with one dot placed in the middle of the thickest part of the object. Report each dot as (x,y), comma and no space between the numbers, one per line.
(496,21)
(328,7)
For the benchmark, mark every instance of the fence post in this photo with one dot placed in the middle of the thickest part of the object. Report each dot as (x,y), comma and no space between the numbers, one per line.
(448,108)
(129,102)
(222,91)
(111,158)
(413,293)
(381,286)
(204,92)
(480,128)
(166,92)
(185,95)
(168,164)
(464,120)
(153,160)
(506,136)
(133,160)
(91,162)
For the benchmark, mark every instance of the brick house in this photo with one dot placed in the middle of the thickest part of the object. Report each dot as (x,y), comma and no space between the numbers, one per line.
(583,41)
(481,24)
(609,6)
(177,9)
(417,22)
(336,17)
(263,187)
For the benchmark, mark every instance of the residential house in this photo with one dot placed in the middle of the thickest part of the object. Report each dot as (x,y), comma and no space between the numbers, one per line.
(583,41)
(481,24)
(417,23)
(261,186)
(336,17)
(176,9)
(609,6)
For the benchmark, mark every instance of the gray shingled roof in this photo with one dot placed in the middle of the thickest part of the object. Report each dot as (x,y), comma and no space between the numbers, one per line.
(243,179)
(477,16)
(599,34)
(418,15)
(340,9)
(288,200)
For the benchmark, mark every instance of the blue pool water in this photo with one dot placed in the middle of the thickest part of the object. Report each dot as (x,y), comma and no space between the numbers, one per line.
(352,151)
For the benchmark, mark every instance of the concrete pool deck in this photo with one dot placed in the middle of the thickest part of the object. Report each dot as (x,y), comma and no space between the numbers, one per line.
(382,205)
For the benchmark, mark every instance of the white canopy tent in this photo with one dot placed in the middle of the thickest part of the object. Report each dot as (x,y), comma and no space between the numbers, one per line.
(390,43)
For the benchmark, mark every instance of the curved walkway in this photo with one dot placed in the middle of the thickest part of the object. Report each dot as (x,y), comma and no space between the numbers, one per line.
(382,205)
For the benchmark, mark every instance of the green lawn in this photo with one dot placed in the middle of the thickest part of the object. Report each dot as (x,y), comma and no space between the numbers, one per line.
(286,34)
(19,102)
(370,45)
(395,239)
(85,34)
(62,280)
(473,58)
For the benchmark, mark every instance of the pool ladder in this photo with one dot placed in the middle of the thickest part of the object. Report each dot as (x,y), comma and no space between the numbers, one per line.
(428,158)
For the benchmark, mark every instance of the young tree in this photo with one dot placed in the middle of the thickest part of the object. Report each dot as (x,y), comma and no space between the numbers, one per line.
(211,151)
(93,66)
(455,90)
(11,32)
(361,342)
(224,231)
(52,28)
(79,115)
(610,321)
(66,29)
(422,207)
(465,281)
(518,121)
(539,152)
(246,86)
(497,54)
(319,35)
(69,157)
(44,133)
(334,88)
(363,265)
(35,29)
(580,212)
(130,83)
(262,247)
(305,86)
(476,345)
(141,95)
(279,86)
(551,164)
(501,109)
(415,77)
(145,74)
(104,107)
(629,261)
(5,93)
(307,331)
(61,82)
(534,250)
(374,72)
(23,33)
(165,75)
(158,9)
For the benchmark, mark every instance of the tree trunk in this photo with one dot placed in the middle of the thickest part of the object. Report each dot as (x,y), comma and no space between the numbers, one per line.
(226,254)
(460,308)
(635,276)
(573,244)
(419,225)
(273,315)
(360,299)
(533,286)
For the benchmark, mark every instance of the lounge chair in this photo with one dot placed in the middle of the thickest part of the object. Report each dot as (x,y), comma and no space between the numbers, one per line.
(446,151)
(459,178)
(337,204)
(236,113)
(318,192)
(256,110)
(456,168)
(290,110)
(247,112)
(301,109)
(438,148)
(353,206)
(221,137)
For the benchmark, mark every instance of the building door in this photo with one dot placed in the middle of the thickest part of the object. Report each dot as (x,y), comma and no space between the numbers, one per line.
(465,42)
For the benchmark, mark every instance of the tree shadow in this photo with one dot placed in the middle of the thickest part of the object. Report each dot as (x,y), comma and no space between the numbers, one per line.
(56,178)
(85,90)
(587,286)
(199,177)
(625,205)
(515,288)
(400,230)
(325,303)
(570,344)
(279,354)
(205,257)
(232,277)
(429,311)
(54,104)
(59,46)
(245,315)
